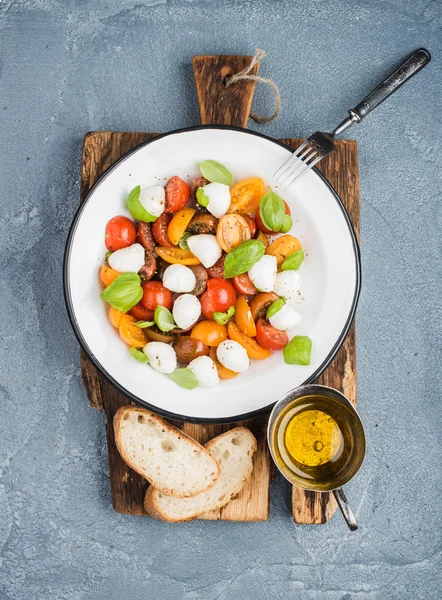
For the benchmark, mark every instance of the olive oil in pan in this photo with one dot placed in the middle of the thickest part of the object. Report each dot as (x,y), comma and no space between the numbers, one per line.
(313,438)
(314,441)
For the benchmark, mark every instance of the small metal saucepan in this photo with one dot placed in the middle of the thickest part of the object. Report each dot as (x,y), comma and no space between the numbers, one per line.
(348,453)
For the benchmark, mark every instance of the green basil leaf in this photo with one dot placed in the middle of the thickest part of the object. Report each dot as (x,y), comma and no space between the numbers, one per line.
(293,261)
(164,319)
(124,292)
(287,224)
(201,197)
(298,351)
(138,355)
(183,241)
(136,209)
(144,324)
(272,211)
(222,318)
(216,172)
(108,254)
(185,378)
(243,257)
(275,307)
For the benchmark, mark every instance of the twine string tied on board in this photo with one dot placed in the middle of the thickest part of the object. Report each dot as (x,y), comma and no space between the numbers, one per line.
(246,75)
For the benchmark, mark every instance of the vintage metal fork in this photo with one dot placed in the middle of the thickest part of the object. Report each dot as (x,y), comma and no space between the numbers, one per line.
(320,144)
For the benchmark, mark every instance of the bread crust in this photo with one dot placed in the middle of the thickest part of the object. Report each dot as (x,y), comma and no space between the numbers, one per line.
(174,432)
(152,508)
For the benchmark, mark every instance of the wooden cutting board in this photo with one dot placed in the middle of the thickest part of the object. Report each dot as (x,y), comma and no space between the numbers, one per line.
(229,106)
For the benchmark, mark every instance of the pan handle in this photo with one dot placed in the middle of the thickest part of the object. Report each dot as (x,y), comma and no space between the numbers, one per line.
(346,511)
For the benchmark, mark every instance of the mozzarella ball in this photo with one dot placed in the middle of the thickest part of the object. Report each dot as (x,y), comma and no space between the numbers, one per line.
(186,311)
(127,259)
(178,278)
(263,273)
(286,318)
(287,283)
(153,199)
(233,356)
(161,356)
(219,199)
(204,370)
(205,247)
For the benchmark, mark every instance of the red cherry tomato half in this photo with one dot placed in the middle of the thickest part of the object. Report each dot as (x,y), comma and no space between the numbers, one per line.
(154,294)
(177,194)
(269,337)
(260,225)
(159,231)
(120,233)
(219,296)
(141,313)
(243,285)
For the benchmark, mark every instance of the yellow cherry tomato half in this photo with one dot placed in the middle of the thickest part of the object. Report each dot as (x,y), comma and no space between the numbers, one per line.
(282,247)
(176,256)
(209,332)
(107,275)
(253,349)
(243,317)
(115,316)
(246,194)
(232,231)
(130,333)
(179,223)
(223,372)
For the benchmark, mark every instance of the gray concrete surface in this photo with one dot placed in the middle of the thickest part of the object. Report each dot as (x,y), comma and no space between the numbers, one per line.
(71,66)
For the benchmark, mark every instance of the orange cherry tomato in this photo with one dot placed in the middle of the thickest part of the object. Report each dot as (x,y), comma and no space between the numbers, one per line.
(120,233)
(246,194)
(260,304)
(282,247)
(159,231)
(252,348)
(269,337)
(177,194)
(115,316)
(107,275)
(130,333)
(155,294)
(219,296)
(176,256)
(141,313)
(210,333)
(260,224)
(232,231)
(179,223)
(243,317)
(243,285)
(223,372)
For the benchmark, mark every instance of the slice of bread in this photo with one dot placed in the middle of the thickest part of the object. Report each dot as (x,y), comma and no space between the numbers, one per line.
(168,458)
(234,449)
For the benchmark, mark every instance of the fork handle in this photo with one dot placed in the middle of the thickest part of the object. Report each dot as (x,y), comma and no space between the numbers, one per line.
(384,90)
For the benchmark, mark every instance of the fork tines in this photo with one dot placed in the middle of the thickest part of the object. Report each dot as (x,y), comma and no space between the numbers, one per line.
(301,161)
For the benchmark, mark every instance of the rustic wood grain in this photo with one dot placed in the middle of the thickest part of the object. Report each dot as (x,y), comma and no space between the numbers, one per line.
(341,170)
(101,150)
(220,104)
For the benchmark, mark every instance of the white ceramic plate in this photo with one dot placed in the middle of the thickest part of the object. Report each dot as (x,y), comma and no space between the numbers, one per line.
(330,273)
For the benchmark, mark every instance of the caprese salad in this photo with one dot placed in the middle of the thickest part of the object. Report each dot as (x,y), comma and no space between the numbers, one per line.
(202,279)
